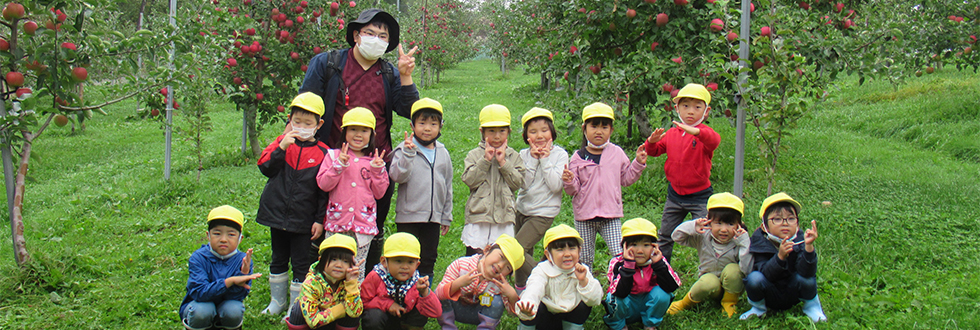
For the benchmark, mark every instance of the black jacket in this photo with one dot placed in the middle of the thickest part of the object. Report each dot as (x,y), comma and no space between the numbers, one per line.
(765,254)
(291,200)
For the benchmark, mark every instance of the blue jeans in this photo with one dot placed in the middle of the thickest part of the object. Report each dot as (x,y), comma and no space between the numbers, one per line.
(648,308)
(227,314)
(780,295)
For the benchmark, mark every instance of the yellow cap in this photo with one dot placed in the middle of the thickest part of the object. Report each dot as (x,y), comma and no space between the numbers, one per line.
(512,250)
(597,110)
(402,245)
(339,241)
(694,91)
(559,232)
(494,115)
(426,103)
(309,102)
(535,113)
(639,226)
(359,116)
(779,197)
(226,212)
(726,200)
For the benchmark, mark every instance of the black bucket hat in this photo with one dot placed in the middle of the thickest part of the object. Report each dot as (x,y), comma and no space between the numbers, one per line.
(366,17)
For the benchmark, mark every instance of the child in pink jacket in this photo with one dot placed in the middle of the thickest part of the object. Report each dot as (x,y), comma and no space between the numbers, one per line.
(355,177)
(594,178)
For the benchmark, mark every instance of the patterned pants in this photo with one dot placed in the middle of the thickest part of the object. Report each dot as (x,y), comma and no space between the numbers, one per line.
(609,229)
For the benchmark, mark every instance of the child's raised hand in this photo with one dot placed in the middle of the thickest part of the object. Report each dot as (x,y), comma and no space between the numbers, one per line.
(656,136)
(343,157)
(546,149)
(423,286)
(566,175)
(656,255)
(500,152)
(505,288)
(247,262)
(810,236)
(396,310)
(580,273)
(785,248)
(687,128)
(525,307)
(242,280)
(489,152)
(379,159)
(701,225)
(408,142)
(641,155)
(465,280)
(354,271)
(739,231)
(628,253)
(288,140)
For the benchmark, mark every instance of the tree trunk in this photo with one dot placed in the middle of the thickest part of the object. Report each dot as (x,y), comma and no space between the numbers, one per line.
(17,221)
(544,81)
(640,116)
(253,131)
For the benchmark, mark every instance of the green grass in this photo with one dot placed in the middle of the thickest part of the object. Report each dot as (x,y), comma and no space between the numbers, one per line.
(111,238)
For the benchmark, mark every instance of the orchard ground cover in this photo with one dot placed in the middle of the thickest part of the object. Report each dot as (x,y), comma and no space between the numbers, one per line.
(110,238)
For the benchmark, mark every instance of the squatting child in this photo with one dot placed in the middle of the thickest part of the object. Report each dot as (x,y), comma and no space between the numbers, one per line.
(331,295)
(356,178)
(493,171)
(395,296)
(594,178)
(219,276)
(723,252)
(424,173)
(785,266)
(292,205)
(475,290)
(641,282)
(689,146)
(539,200)
(561,283)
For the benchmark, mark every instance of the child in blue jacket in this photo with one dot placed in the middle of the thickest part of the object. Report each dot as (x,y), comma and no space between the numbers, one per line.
(220,276)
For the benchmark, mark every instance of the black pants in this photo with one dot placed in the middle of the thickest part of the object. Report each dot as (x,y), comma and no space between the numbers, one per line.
(290,248)
(548,321)
(376,319)
(296,318)
(428,235)
(384,205)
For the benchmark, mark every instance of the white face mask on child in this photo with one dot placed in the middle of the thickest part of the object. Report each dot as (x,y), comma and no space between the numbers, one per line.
(305,133)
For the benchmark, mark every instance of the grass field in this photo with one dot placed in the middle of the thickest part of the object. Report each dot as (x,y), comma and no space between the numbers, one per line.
(897,247)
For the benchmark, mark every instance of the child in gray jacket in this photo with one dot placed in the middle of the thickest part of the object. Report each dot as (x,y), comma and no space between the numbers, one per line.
(424,173)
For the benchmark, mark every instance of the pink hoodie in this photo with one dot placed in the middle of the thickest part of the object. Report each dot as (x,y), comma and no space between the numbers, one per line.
(596,189)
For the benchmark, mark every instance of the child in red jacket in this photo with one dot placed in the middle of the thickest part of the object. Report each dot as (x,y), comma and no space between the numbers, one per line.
(394,295)
(689,147)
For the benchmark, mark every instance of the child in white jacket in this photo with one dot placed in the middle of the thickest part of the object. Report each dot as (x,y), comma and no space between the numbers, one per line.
(565,287)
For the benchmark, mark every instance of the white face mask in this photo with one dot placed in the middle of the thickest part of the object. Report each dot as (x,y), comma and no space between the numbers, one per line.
(372,48)
(305,133)
(601,146)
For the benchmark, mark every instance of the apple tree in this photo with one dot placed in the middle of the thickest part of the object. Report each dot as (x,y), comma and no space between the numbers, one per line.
(47,50)
(443,32)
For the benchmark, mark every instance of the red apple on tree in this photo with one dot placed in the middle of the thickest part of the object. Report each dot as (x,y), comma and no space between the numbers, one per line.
(30,27)
(232,62)
(661,19)
(15,79)
(259,96)
(281,108)
(573,49)
(717,25)
(653,46)
(804,5)
(79,74)
(678,60)
(13,11)
(630,13)
(680,2)
(61,120)
(23,91)
(68,45)
(731,36)
(838,7)
(667,88)
(765,31)
(154,113)
(4,45)
(711,86)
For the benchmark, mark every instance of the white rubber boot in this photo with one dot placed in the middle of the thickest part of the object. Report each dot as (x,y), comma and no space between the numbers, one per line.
(278,289)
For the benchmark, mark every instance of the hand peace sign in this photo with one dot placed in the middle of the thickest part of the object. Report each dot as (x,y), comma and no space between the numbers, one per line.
(343,157)
(379,159)
(408,142)
(406,61)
